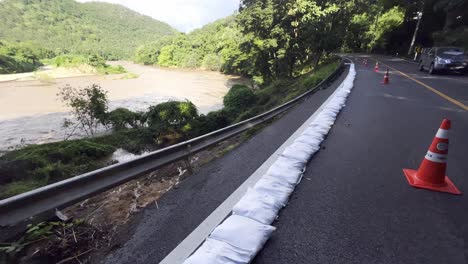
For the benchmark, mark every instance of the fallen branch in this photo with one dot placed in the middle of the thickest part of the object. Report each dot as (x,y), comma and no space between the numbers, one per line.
(74,257)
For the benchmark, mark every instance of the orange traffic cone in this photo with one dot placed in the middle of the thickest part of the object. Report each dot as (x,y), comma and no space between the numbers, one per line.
(386,79)
(376,68)
(365,62)
(431,172)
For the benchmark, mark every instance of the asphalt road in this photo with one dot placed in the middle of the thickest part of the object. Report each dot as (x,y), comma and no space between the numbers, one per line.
(451,84)
(354,204)
(157,231)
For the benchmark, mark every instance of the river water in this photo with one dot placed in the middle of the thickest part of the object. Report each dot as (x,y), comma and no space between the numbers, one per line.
(30,112)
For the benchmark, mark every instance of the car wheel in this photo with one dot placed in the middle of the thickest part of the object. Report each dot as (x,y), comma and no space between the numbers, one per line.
(431,69)
(421,66)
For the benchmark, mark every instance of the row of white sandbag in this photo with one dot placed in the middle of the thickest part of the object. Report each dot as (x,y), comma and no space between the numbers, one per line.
(239,238)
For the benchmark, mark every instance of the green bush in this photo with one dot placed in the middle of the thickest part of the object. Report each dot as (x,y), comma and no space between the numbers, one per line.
(238,99)
(135,140)
(172,118)
(213,121)
(108,69)
(122,118)
(97,61)
(249,113)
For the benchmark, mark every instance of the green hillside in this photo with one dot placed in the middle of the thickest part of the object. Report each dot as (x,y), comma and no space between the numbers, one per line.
(212,47)
(66,26)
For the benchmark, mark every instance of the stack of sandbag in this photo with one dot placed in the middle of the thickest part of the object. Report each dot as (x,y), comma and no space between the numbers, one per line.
(239,238)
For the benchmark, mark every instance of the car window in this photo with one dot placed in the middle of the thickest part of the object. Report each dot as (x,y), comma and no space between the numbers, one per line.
(450,51)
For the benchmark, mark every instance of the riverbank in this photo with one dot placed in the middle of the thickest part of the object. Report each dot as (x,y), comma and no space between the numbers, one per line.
(30,112)
(48,73)
(38,165)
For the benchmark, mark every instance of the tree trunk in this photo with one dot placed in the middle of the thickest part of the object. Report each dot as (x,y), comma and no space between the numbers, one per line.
(317,58)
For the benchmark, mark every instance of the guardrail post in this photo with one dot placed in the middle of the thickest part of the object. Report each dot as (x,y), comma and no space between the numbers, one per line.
(187,162)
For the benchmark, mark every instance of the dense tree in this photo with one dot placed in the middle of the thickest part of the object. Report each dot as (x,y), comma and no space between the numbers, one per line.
(454,11)
(281,36)
(213,47)
(21,57)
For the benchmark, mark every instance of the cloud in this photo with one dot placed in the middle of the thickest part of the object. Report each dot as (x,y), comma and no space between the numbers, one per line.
(184,15)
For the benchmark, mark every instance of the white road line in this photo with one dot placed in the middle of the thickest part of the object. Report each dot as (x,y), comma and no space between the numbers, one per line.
(196,238)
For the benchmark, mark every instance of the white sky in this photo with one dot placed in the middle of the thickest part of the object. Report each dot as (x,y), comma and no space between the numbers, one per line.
(184,15)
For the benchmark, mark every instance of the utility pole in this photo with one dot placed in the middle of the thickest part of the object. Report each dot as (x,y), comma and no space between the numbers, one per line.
(419,17)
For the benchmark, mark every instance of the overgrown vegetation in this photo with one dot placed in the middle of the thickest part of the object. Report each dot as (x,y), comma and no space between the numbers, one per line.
(162,125)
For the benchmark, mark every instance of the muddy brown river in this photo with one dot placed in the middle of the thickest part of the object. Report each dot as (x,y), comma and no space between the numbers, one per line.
(30,112)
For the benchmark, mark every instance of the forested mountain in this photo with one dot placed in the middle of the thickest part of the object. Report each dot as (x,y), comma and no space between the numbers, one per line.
(66,26)
(211,47)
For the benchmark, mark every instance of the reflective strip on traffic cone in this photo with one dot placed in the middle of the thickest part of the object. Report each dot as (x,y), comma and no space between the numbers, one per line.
(386,77)
(431,172)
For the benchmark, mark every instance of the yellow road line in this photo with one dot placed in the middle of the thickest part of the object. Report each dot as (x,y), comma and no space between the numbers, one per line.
(446,97)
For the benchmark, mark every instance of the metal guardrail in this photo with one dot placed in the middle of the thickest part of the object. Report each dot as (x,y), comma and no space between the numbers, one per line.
(26,206)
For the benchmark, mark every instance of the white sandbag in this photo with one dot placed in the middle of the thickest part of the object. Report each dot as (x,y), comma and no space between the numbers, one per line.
(312,137)
(299,151)
(258,206)
(218,252)
(321,126)
(287,170)
(275,188)
(243,233)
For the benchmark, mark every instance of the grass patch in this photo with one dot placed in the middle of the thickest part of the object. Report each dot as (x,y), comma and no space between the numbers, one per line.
(78,61)
(39,165)
(18,187)
(109,69)
(130,75)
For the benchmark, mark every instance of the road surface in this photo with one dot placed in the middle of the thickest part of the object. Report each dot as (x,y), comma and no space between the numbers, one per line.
(354,204)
